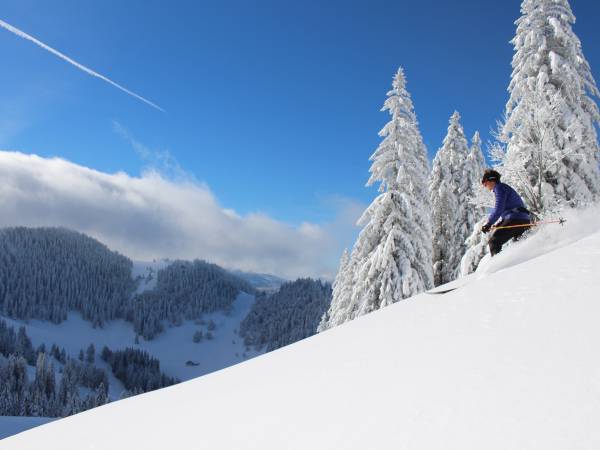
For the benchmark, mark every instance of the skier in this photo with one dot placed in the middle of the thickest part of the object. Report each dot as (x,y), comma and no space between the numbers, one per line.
(509,207)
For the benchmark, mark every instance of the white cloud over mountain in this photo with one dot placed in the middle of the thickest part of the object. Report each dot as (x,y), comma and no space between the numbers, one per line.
(151,217)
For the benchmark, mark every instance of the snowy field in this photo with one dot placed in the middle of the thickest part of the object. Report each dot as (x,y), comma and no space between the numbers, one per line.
(508,361)
(173,348)
(13,425)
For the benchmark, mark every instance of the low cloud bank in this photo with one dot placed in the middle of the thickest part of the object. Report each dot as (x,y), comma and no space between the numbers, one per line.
(151,217)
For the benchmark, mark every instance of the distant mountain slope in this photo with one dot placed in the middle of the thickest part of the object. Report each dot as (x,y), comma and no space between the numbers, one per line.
(46,272)
(145,273)
(261,281)
(65,292)
(173,348)
(286,316)
(508,361)
(184,290)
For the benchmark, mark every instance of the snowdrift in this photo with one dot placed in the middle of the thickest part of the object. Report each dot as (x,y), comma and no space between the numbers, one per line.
(509,361)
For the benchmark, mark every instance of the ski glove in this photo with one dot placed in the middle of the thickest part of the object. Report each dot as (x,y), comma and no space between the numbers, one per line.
(486,228)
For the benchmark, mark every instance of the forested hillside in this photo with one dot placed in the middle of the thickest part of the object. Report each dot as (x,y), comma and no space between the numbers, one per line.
(290,314)
(47,272)
(184,290)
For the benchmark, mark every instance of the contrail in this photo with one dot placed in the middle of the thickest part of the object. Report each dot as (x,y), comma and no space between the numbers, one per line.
(75,63)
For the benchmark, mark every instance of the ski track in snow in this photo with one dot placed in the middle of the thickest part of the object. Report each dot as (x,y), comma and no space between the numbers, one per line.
(579,224)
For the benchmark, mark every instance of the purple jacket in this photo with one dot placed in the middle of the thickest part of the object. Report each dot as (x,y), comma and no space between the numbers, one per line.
(507,206)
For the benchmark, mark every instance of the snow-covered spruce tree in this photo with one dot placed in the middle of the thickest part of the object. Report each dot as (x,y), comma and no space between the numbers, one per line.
(474,168)
(341,289)
(548,144)
(391,259)
(479,199)
(449,191)
(477,248)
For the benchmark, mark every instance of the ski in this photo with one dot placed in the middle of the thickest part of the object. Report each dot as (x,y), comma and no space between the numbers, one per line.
(444,291)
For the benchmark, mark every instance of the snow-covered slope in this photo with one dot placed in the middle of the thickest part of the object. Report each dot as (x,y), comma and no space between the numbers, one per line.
(173,348)
(146,272)
(509,361)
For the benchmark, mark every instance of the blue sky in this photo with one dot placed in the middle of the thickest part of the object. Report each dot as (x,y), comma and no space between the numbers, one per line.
(273,104)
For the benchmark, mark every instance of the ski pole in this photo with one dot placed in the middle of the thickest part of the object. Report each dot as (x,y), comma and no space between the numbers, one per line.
(533,224)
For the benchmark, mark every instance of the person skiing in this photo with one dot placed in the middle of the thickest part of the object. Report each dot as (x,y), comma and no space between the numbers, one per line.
(509,207)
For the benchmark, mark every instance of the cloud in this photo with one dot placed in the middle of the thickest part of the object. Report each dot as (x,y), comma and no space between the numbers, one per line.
(151,217)
(64,57)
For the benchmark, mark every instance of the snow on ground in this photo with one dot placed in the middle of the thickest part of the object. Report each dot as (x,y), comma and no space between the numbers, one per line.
(173,348)
(509,361)
(146,272)
(578,225)
(13,425)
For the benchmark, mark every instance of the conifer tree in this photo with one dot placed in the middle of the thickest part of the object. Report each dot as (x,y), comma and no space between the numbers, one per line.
(24,347)
(14,379)
(391,259)
(90,354)
(479,198)
(548,146)
(474,169)
(449,191)
(341,290)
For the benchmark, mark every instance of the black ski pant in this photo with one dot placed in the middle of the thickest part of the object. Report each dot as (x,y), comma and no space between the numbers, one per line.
(502,236)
